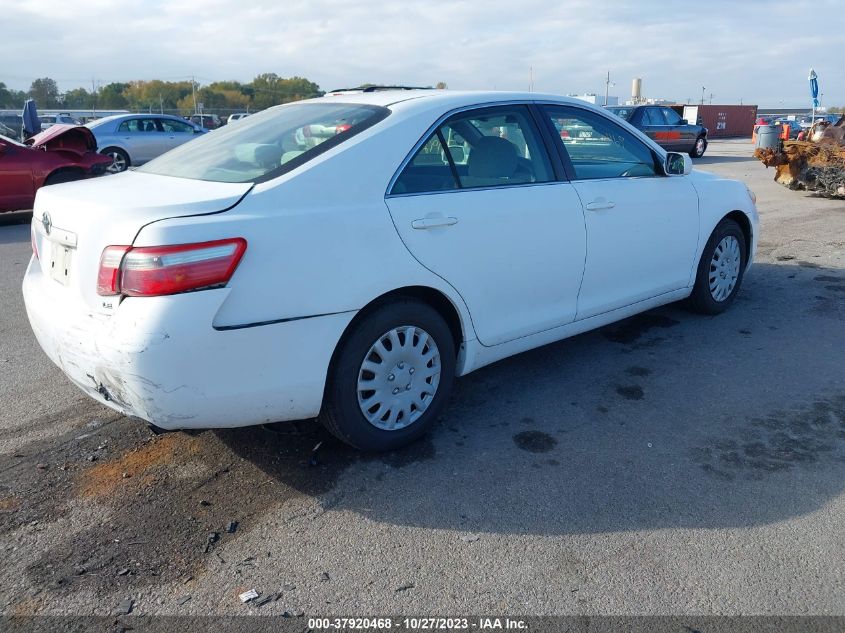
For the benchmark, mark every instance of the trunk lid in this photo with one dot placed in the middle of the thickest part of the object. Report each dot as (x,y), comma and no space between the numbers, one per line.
(74,222)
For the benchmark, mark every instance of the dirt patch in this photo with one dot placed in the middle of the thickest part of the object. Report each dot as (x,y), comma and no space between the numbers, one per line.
(10,504)
(631,330)
(778,442)
(534,441)
(630,392)
(106,478)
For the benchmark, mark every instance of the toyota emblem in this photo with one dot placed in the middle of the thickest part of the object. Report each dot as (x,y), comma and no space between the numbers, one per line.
(47,222)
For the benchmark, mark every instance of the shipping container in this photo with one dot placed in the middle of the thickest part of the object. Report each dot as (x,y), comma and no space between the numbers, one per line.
(723,121)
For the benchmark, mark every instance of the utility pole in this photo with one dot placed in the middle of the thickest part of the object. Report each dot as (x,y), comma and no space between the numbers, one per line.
(702,94)
(606,87)
(711,98)
(93,98)
(193,94)
(531,79)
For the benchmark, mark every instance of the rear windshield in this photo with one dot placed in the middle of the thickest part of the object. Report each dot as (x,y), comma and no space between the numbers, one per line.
(266,144)
(623,113)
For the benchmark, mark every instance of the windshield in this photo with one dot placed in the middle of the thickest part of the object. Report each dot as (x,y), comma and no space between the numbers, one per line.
(267,144)
(623,113)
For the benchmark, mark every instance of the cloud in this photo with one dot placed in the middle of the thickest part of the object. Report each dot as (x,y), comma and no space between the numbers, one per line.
(755,51)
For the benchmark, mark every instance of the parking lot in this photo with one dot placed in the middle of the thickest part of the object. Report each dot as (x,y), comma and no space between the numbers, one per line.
(667,464)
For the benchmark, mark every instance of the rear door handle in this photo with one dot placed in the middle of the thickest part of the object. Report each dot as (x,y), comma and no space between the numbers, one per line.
(431,223)
(597,205)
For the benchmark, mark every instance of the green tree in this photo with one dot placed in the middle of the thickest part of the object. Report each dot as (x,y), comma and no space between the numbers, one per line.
(110,97)
(11,99)
(45,92)
(77,99)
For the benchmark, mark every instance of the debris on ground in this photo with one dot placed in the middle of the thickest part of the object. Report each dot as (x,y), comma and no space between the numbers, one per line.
(270,597)
(213,537)
(817,165)
(125,607)
(324,577)
(123,572)
(183,599)
(404,587)
(246,596)
(312,461)
(231,527)
(41,466)
(470,538)
(205,502)
(288,586)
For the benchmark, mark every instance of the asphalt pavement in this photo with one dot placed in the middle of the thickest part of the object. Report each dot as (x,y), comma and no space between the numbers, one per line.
(667,464)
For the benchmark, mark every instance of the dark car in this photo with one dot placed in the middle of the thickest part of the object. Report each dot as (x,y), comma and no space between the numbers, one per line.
(59,154)
(207,121)
(666,127)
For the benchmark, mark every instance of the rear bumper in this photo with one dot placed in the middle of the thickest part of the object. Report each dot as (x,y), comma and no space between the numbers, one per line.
(161,360)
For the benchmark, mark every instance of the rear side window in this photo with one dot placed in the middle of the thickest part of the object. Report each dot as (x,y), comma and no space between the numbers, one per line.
(267,144)
(488,147)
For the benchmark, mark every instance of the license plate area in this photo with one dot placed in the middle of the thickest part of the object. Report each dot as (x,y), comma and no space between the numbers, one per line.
(60,263)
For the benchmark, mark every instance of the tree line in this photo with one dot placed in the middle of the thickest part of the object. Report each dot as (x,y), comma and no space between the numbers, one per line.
(265,90)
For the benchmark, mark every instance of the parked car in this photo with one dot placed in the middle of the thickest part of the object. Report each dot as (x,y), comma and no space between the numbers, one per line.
(60,154)
(237,116)
(12,124)
(666,127)
(49,120)
(207,121)
(225,284)
(133,139)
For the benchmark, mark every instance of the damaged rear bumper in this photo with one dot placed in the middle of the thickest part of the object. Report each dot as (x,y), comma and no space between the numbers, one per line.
(160,359)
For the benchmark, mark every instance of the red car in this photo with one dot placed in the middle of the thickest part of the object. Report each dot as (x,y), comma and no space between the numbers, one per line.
(60,153)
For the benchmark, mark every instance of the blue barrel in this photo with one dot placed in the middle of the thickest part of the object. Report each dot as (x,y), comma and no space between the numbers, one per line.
(768,136)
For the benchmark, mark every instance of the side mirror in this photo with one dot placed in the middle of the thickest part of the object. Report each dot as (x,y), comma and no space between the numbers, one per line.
(684,122)
(677,164)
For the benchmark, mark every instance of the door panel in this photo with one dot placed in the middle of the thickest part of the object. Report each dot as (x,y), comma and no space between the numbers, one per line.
(515,254)
(641,242)
(642,226)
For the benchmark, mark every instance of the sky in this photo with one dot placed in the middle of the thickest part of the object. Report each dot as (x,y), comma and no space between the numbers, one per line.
(749,51)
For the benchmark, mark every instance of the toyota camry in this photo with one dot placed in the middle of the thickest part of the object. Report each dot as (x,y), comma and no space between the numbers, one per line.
(347,257)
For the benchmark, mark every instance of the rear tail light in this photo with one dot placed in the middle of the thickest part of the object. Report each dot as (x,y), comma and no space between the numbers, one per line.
(164,270)
(564,134)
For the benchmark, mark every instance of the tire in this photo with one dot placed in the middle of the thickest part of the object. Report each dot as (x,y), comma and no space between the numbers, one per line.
(120,160)
(699,148)
(411,366)
(726,244)
(63,175)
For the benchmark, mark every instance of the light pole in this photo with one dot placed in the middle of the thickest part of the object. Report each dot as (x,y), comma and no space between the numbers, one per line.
(702,94)
(607,85)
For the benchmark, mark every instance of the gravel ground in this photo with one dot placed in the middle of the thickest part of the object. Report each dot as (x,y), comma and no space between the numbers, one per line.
(668,464)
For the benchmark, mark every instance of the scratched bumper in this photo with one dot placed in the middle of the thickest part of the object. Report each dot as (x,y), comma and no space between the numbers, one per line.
(160,359)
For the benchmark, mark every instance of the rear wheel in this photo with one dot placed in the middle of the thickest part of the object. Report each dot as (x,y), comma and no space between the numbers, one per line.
(699,148)
(391,378)
(64,175)
(119,159)
(720,269)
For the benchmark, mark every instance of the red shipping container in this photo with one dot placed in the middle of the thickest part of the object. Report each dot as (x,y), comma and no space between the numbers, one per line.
(723,121)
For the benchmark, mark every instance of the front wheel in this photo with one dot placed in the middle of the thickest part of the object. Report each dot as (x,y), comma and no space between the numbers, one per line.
(699,148)
(391,377)
(720,269)
(119,159)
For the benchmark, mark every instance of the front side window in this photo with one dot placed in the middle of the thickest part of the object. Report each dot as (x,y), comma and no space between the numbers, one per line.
(267,144)
(138,125)
(488,147)
(608,151)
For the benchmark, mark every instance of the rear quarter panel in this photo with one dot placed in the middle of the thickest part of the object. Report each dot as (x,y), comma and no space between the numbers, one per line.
(320,238)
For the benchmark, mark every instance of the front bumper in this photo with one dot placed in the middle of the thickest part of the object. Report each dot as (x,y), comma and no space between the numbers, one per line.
(160,359)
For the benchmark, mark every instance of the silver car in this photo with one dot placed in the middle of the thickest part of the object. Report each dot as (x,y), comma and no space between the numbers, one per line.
(133,139)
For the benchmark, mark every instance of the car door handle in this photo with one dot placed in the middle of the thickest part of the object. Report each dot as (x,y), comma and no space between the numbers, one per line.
(431,223)
(597,205)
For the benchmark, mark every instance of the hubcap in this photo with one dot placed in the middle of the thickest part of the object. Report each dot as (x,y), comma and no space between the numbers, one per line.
(699,146)
(398,378)
(118,163)
(724,268)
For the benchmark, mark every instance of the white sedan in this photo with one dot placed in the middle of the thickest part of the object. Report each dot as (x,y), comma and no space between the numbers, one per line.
(346,257)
